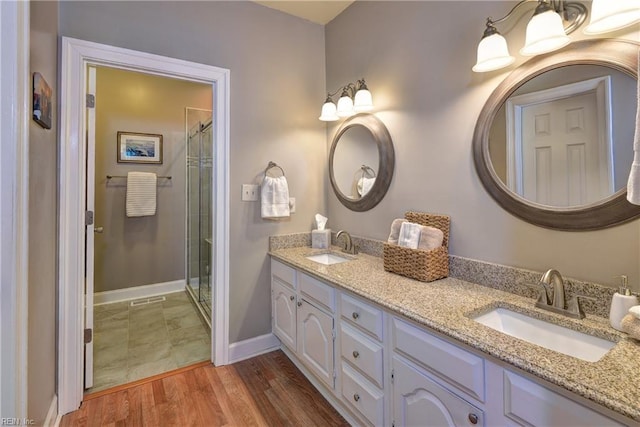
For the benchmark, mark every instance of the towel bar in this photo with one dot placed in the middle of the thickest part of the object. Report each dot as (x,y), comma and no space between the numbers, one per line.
(124,176)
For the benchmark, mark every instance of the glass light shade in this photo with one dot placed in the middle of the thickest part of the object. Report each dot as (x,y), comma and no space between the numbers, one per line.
(493,54)
(545,33)
(345,107)
(328,112)
(363,101)
(611,15)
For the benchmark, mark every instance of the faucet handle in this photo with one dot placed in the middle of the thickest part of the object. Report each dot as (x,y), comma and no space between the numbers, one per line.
(574,307)
(543,297)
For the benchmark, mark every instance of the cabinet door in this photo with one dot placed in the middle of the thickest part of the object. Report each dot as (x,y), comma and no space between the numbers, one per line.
(419,401)
(315,341)
(284,313)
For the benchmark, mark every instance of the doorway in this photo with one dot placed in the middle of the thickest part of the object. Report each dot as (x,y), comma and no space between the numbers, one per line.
(74,223)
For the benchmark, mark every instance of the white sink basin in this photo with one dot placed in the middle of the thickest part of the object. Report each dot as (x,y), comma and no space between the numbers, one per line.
(328,258)
(545,334)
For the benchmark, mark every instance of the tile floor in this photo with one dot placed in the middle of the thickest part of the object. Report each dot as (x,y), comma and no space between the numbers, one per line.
(131,343)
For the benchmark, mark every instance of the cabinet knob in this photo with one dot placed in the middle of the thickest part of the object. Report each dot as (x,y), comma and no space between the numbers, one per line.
(473,418)
(356,354)
(98,229)
(299,303)
(355,315)
(356,397)
(292,297)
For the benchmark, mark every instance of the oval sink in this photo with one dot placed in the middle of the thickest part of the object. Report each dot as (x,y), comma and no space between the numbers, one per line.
(329,258)
(545,334)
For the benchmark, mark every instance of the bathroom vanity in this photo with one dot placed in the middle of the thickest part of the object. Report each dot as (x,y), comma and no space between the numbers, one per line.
(390,351)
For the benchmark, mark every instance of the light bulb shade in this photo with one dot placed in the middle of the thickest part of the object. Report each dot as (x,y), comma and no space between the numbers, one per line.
(545,33)
(363,101)
(328,112)
(611,15)
(493,54)
(345,106)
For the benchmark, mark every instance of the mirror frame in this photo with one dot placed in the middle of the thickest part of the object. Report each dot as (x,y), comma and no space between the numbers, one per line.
(621,55)
(386,161)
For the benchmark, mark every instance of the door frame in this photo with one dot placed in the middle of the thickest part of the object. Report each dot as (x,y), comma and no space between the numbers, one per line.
(15,110)
(76,55)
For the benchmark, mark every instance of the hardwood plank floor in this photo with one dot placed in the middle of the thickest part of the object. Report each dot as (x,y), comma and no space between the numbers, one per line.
(267,390)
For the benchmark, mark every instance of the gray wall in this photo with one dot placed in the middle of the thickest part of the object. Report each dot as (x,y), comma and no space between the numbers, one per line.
(419,72)
(145,250)
(277,88)
(43,148)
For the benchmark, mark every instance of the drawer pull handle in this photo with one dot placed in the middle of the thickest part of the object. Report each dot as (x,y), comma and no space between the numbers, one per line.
(299,303)
(292,297)
(473,418)
(356,397)
(355,315)
(356,354)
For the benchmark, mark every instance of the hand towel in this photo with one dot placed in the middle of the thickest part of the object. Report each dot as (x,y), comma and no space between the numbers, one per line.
(633,184)
(364,185)
(631,325)
(409,235)
(430,237)
(275,197)
(141,194)
(635,310)
(395,230)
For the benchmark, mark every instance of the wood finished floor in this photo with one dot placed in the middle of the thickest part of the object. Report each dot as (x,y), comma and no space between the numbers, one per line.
(267,390)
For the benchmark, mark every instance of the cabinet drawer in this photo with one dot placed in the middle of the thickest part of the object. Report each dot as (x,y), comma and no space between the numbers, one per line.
(459,367)
(318,291)
(362,352)
(360,395)
(283,272)
(528,403)
(362,314)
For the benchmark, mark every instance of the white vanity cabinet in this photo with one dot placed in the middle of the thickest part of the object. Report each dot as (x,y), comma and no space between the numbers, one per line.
(283,303)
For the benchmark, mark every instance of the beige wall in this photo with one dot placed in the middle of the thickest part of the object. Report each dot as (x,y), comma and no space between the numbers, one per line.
(277,88)
(144,250)
(419,72)
(43,147)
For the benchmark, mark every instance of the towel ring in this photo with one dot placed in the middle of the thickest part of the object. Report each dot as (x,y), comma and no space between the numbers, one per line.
(367,169)
(272,165)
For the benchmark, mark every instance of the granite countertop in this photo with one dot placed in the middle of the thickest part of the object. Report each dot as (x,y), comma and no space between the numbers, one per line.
(444,306)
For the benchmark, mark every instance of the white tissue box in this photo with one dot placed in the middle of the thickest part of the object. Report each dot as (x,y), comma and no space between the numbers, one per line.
(321,239)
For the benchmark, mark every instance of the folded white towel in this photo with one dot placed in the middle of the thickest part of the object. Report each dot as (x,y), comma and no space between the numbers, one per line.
(275,197)
(395,230)
(633,184)
(635,310)
(631,325)
(141,194)
(409,235)
(430,238)
(364,185)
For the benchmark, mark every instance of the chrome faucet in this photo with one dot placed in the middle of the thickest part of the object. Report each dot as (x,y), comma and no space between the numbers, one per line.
(348,246)
(558,306)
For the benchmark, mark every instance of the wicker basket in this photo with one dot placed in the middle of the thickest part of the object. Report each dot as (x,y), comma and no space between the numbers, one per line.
(421,264)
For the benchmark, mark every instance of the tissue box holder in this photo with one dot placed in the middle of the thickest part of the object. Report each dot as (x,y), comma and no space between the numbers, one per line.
(321,239)
(421,264)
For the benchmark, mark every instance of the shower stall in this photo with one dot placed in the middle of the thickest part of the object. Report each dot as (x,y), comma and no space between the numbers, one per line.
(199,209)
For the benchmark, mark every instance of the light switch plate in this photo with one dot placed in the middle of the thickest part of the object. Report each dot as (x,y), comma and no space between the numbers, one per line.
(250,192)
(292,205)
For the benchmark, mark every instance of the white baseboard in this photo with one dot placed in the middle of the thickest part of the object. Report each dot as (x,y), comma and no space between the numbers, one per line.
(52,415)
(136,292)
(246,349)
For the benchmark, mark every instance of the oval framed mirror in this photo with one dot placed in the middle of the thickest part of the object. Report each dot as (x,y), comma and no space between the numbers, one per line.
(361,162)
(532,177)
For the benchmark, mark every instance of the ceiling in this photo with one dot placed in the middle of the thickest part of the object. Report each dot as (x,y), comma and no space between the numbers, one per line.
(320,12)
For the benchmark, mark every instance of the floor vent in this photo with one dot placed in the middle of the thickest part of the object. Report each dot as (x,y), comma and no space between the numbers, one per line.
(144,301)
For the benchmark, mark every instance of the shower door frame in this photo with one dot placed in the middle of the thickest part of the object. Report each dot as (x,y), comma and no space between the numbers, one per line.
(76,56)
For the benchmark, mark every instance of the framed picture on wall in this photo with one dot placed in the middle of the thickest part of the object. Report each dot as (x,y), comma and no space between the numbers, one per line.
(41,101)
(134,147)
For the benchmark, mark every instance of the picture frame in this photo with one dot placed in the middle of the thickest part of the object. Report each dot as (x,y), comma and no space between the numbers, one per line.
(136,147)
(41,101)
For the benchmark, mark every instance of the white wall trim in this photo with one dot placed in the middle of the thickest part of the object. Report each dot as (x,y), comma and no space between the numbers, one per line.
(144,291)
(15,108)
(52,414)
(252,347)
(76,55)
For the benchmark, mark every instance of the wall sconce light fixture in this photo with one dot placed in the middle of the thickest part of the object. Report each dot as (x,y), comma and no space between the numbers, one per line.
(549,27)
(355,98)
